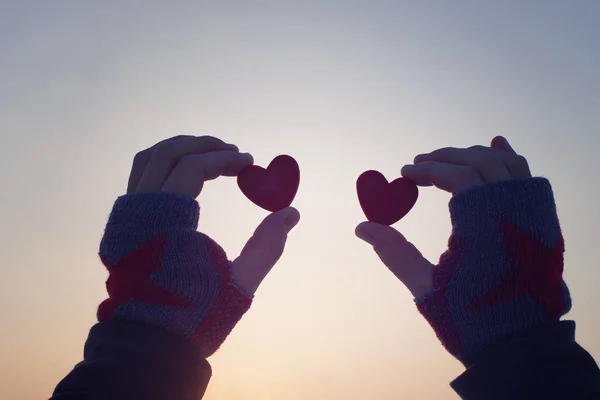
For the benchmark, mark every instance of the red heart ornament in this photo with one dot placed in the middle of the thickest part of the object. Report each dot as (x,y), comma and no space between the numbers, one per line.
(382,202)
(273,188)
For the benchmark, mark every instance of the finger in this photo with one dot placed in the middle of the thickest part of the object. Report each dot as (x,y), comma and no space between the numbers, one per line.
(140,161)
(489,165)
(192,171)
(400,256)
(518,167)
(264,249)
(448,177)
(500,143)
(166,155)
(516,164)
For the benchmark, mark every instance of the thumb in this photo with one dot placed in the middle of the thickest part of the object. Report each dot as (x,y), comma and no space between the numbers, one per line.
(263,249)
(400,256)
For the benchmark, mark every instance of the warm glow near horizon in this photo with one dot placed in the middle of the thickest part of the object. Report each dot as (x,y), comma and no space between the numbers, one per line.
(343,86)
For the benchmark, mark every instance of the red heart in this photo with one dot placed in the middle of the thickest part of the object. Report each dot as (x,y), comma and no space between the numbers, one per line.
(382,202)
(273,188)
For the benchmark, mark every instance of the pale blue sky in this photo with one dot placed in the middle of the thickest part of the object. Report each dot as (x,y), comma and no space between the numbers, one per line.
(343,86)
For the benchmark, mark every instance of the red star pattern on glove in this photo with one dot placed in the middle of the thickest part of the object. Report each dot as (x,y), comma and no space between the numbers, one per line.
(129,280)
(436,309)
(537,272)
(228,308)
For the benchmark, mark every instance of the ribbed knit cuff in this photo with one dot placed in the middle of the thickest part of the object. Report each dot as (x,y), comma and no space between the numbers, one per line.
(154,213)
(528,200)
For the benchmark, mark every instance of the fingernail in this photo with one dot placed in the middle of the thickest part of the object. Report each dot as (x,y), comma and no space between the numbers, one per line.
(291,221)
(407,168)
(248,156)
(361,233)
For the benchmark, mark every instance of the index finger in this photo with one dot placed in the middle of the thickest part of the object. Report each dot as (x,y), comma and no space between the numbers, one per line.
(449,177)
(165,157)
(141,160)
(192,171)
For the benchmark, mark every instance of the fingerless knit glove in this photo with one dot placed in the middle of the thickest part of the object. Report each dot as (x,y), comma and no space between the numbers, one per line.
(166,274)
(502,272)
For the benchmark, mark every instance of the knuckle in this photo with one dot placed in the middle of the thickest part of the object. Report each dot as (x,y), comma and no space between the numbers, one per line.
(220,159)
(231,156)
(163,150)
(207,137)
(485,160)
(171,140)
(519,166)
(209,140)
(444,150)
(520,161)
(468,176)
(465,178)
(141,157)
(181,137)
(187,161)
(276,248)
(478,147)
(467,173)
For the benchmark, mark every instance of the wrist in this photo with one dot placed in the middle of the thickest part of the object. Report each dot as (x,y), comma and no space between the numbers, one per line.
(528,202)
(153,213)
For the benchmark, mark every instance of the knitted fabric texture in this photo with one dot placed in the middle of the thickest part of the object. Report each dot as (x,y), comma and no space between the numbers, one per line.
(502,272)
(164,273)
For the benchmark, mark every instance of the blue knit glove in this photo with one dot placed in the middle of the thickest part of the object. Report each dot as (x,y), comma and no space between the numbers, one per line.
(502,272)
(166,274)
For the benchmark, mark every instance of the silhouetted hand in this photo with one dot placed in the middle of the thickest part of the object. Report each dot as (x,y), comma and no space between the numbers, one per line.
(165,273)
(182,164)
(503,268)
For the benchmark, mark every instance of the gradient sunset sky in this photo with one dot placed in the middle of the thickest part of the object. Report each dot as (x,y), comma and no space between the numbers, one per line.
(343,86)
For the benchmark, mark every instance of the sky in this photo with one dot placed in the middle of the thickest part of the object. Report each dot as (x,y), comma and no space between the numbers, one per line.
(343,86)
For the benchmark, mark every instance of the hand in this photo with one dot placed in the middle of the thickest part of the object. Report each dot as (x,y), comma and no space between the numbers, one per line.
(503,222)
(182,164)
(453,170)
(165,273)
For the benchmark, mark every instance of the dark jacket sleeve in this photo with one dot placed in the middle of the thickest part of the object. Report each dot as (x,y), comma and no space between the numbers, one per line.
(124,360)
(541,363)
